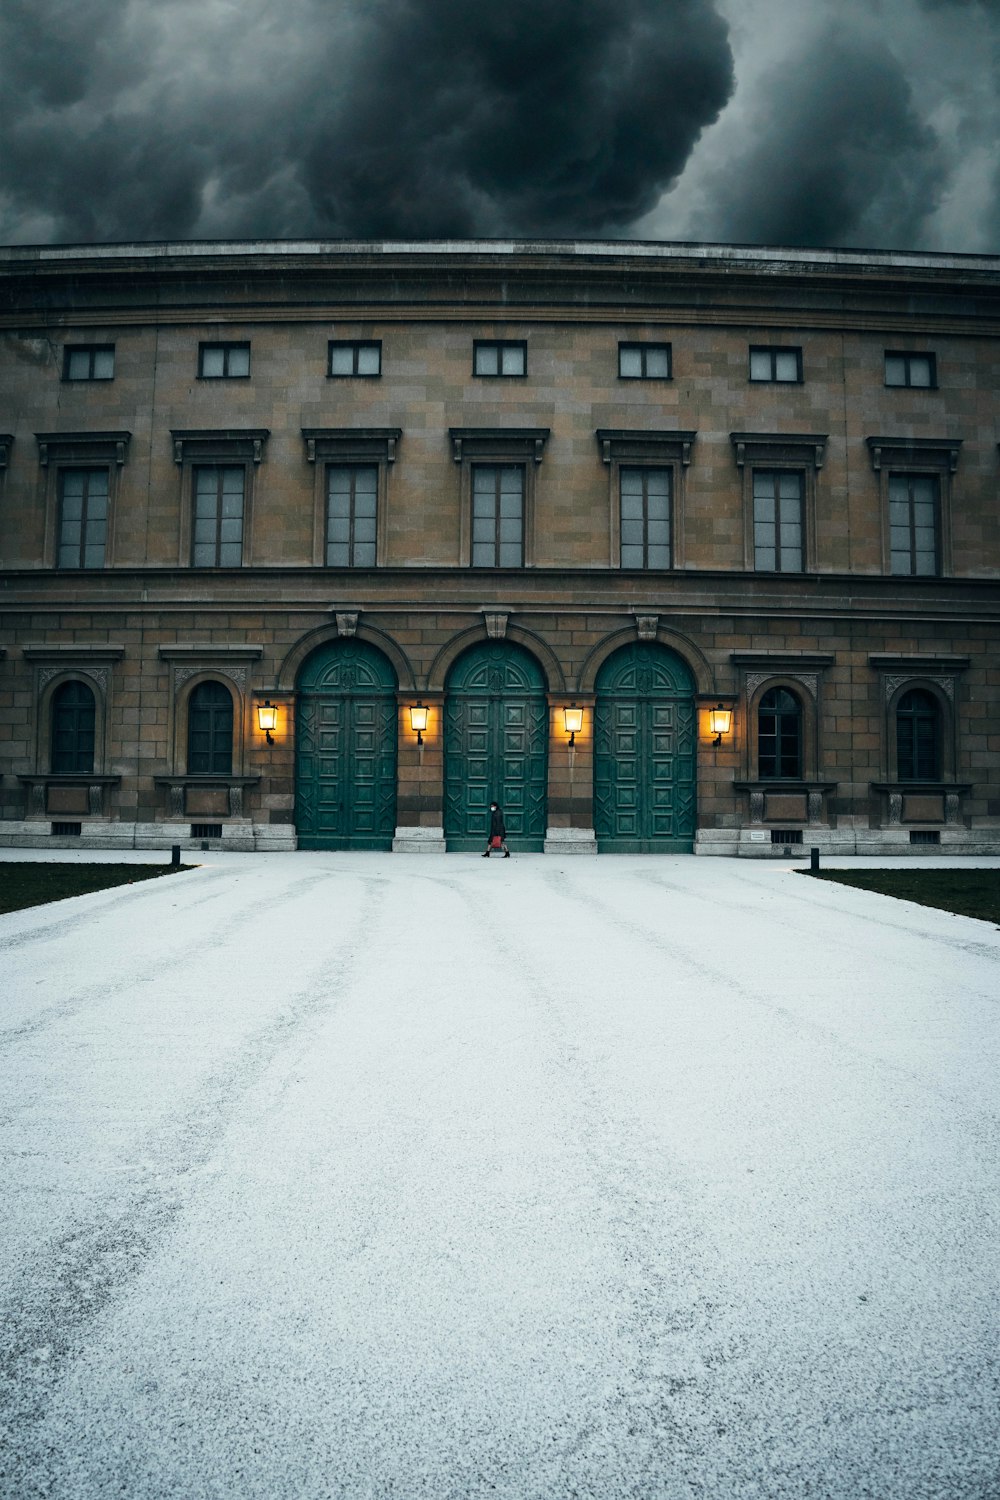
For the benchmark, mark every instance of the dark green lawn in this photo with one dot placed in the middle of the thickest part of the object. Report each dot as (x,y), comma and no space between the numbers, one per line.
(970,893)
(33,884)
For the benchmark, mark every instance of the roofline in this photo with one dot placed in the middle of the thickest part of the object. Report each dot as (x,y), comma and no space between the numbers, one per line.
(657,250)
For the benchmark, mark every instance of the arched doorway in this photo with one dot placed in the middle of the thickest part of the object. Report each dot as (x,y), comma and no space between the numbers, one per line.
(495,747)
(345,752)
(644,752)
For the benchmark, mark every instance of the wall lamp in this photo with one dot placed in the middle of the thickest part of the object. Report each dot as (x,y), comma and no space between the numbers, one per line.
(573,721)
(720,722)
(267,718)
(418,721)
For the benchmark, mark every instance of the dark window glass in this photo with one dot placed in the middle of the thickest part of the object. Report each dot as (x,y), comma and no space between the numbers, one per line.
(914,525)
(210,730)
(917,737)
(217,540)
(223,361)
(645,518)
(918,370)
(83,518)
(497,515)
(499,357)
(89,362)
(776,364)
(73,715)
(351,501)
(644,361)
(779,736)
(351,359)
(777,521)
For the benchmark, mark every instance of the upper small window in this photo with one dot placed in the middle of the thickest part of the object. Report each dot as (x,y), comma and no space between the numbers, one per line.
(89,362)
(499,357)
(910,369)
(644,361)
(348,358)
(223,361)
(776,364)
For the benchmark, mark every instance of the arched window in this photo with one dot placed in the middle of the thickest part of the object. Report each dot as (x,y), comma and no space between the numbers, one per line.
(210,730)
(918,737)
(779,736)
(73,715)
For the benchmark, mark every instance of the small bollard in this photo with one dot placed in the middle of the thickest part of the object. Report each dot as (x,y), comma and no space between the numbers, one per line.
(175,856)
(813,861)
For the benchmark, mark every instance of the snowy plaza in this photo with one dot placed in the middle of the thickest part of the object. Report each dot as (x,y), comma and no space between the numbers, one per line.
(361,1176)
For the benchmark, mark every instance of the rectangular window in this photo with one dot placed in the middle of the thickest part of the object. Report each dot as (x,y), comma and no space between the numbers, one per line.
(218,516)
(355,359)
(777,521)
(644,361)
(645,518)
(83,518)
(351,508)
(497,515)
(910,369)
(499,357)
(775,364)
(89,362)
(223,361)
(914,524)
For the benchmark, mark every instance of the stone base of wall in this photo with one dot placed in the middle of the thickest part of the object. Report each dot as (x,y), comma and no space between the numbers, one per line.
(894,843)
(419,841)
(237,837)
(570,841)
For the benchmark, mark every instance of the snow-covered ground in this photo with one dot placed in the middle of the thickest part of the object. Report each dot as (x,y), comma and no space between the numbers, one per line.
(372,1176)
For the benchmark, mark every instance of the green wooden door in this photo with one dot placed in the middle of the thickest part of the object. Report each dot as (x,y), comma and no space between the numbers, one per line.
(644,752)
(496,742)
(345,756)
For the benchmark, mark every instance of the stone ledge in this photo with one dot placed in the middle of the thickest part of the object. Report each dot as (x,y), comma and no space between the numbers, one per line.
(570,841)
(418,841)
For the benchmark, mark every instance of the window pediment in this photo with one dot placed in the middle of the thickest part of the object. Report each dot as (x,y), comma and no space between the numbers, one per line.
(488,442)
(376,444)
(83,447)
(808,448)
(240,443)
(619,444)
(937,453)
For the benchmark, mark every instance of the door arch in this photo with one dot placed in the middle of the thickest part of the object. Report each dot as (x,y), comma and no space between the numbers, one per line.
(644,752)
(345,751)
(495,746)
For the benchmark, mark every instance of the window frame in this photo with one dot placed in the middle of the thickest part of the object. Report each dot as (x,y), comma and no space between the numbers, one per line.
(936,717)
(514,466)
(645,470)
(59,451)
(779,774)
(59,691)
(219,470)
(221,448)
(332,447)
(352,543)
(910,478)
(801,452)
(71,350)
(893,456)
(356,345)
(88,471)
(772,351)
(191,728)
(228,346)
(757,471)
(633,448)
(908,355)
(500,345)
(493,445)
(641,346)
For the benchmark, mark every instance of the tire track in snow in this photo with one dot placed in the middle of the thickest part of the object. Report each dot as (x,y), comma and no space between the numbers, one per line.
(90,1267)
(155,969)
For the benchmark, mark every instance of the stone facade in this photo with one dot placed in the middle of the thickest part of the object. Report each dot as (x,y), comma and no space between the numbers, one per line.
(843,633)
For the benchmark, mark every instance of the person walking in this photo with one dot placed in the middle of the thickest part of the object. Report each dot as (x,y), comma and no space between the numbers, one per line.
(497,838)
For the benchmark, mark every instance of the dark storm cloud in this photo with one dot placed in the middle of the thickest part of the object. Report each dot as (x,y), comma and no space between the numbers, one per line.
(375,117)
(843,157)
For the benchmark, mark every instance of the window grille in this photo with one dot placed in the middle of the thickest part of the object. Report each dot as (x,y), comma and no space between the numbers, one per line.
(786,835)
(67,830)
(925,836)
(206,830)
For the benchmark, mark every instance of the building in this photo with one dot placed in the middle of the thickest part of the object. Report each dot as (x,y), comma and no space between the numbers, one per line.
(474,520)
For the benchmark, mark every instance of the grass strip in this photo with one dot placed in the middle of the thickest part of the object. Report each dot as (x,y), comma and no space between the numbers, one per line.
(30,883)
(967,893)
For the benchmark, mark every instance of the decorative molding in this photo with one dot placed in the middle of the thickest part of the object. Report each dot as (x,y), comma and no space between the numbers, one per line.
(38,790)
(756,807)
(109,446)
(220,442)
(916,665)
(952,807)
(895,807)
(469,442)
(347,623)
(237,674)
(95,799)
(175,800)
(99,674)
(911,450)
(764,445)
(619,443)
(210,653)
(753,680)
(646,626)
(496,625)
(75,655)
(814,808)
(236,800)
(343,442)
(892,682)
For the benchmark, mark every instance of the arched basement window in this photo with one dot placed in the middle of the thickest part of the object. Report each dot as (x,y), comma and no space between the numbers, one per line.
(210,730)
(73,716)
(779,736)
(918,737)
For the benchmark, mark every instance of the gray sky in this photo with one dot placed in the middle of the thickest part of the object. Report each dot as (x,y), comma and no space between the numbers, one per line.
(803,122)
